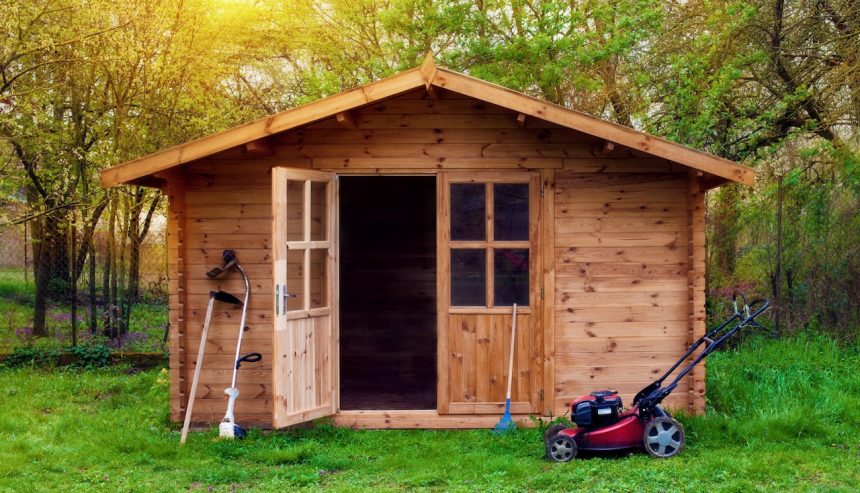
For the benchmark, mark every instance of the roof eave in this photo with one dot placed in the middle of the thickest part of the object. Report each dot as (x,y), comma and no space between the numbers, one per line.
(279,122)
(656,146)
(426,75)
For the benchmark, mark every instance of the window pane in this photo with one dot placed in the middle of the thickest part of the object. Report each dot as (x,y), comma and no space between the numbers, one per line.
(468,277)
(511,211)
(319,257)
(468,211)
(319,212)
(295,210)
(511,277)
(295,279)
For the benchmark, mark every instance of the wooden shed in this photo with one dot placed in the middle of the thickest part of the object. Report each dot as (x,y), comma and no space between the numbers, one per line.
(408,215)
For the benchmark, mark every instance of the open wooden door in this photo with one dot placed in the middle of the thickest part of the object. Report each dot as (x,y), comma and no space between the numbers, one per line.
(305,338)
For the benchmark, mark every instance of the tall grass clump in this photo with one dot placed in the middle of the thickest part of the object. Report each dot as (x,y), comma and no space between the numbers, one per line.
(799,390)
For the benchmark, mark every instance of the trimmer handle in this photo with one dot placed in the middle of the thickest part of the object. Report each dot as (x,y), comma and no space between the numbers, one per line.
(248,358)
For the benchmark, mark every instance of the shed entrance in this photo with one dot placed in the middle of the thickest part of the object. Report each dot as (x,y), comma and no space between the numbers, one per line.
(387,243)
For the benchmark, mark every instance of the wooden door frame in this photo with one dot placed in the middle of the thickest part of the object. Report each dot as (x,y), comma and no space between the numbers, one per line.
(536,277)
(359,413)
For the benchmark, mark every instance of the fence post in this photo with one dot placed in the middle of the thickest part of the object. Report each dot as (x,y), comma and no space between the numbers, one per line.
(74,279)
(26,267)
(778,277)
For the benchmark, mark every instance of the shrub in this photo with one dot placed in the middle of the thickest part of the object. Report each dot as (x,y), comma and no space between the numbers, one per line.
(90,356)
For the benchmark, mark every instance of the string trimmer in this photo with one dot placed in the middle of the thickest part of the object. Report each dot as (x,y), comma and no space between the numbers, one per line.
(213,297)
(228,427)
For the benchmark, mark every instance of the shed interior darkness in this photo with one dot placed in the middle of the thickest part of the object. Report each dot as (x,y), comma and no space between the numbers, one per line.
(387,292)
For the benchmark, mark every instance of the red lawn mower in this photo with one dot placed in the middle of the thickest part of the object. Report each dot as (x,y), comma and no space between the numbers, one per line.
(603,424)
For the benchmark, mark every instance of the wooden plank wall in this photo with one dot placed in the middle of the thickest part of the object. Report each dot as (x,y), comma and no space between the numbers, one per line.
(479,346)
(225,207)
(622,303)
(623,308)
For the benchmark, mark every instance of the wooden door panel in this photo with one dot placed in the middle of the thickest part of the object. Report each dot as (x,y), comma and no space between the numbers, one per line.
(304,272)
(478,359)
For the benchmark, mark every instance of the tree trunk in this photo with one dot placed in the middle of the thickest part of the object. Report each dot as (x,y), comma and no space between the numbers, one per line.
(91,286)
(51,272)
(137,234)
(725,230)
(109,279)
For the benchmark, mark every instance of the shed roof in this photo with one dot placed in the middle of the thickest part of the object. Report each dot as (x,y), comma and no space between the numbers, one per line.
(429,76)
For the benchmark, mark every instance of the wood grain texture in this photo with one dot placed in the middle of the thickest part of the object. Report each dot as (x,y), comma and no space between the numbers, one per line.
(343,110)
(619,252)
(696,280)
(621,305)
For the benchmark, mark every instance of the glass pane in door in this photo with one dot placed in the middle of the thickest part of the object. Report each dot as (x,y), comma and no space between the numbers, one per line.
(295,210)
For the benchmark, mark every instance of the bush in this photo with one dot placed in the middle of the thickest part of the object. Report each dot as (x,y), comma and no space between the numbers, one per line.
(90,356)
(31,356)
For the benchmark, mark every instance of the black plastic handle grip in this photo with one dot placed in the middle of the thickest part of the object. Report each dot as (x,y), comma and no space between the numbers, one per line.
(248,358)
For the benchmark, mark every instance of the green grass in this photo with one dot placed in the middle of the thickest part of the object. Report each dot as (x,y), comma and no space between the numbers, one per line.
(786,416)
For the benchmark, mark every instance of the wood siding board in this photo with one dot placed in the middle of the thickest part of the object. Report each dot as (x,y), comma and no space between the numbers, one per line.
(621,306)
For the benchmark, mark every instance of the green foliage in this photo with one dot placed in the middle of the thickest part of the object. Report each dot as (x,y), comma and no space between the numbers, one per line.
(31,357)
(90,356)
(783,417)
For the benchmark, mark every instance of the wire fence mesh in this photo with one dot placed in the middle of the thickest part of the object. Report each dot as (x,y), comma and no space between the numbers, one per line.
(68,297)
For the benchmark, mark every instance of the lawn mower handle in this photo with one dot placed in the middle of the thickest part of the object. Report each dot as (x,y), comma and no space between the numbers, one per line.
(649,397)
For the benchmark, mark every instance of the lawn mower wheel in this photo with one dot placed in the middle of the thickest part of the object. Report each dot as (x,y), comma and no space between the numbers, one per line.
(553,431)
(663,437)
(560,448)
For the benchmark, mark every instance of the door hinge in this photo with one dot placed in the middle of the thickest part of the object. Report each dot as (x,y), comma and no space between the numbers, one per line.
(542,187)
(541,293)
(541,394)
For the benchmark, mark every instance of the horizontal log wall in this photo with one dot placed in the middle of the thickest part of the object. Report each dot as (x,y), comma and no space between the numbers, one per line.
(622,302)
(622,305)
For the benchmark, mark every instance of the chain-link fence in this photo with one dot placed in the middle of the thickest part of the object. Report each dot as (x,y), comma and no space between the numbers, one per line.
(70,286)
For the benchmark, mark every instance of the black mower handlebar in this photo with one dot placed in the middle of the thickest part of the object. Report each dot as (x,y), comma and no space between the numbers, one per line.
(648,398)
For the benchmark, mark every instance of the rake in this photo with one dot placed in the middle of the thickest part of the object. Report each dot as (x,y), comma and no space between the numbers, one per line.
(507,424)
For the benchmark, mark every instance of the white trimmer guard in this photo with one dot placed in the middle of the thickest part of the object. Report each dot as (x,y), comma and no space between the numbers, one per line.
(227,428)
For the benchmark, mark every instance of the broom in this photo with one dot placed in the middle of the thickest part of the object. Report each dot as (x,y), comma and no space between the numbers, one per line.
(507,424)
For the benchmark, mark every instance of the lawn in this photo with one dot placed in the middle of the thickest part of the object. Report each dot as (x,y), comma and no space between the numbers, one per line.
(785,416)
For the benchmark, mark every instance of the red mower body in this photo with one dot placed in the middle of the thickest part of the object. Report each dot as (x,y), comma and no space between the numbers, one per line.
(602,424)
(626,433)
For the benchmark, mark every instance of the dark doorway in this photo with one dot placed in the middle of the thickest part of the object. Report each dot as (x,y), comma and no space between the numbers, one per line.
(387,292)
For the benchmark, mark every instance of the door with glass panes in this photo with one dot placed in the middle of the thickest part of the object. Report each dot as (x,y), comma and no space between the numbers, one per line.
(488,260)
(305,308)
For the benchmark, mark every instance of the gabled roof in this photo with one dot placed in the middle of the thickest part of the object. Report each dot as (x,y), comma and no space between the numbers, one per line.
(427,75)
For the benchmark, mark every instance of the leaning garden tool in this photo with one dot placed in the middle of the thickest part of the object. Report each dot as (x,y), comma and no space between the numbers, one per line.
(507,423)
(213,297)
(228,427)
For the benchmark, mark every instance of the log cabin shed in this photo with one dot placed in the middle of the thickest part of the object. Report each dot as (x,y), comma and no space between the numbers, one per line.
(408,215)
